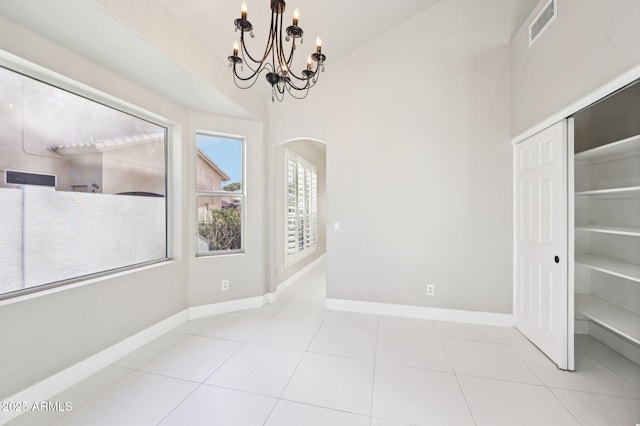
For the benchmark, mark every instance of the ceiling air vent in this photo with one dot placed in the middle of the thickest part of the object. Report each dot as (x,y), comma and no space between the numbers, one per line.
(542,21)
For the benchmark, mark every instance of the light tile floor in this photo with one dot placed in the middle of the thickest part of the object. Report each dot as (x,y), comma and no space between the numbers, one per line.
(295,363)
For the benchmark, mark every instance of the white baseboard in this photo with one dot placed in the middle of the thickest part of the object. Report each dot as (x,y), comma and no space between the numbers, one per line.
(422,312)
(51,386)
(271,297)
(295,277)
(228,306)
(46,389)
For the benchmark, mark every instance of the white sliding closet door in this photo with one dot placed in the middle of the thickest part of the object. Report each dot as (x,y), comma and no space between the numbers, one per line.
(541,258)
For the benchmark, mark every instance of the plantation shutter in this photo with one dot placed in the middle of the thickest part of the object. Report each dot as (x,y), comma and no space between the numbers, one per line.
(302,205)
(291,205)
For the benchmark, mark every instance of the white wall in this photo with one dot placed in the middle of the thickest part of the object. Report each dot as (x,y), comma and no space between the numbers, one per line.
(590,43)
(44,335)
(419,162)
(246,272)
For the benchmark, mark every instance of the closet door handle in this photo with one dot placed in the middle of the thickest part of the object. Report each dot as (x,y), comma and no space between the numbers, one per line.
(556,259)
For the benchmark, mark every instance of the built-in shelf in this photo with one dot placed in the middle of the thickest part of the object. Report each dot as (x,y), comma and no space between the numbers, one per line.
(633,231)
(609,266)
(612,317)
(611,151)
(629,191)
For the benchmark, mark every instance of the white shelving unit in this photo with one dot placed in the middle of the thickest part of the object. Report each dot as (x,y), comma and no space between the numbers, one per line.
(611,192)
(632,231)
(607,245)
(611,151)
(610,316)
(624,270)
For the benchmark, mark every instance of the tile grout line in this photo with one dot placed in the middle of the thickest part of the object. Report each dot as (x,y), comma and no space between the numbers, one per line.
(178,404)
(466,401)
(114,365)
(131,371)
(92,398)
(375,365)
(323,407)
(563,405)
(243,343)
(543,382)
(633,398)
(604,364)
(138,368)
(279,398)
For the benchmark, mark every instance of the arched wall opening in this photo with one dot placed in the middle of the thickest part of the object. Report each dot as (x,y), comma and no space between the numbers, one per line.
(313,151)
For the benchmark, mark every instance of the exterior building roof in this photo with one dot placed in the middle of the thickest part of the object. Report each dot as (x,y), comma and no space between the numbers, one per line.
(213,165)
(107,144)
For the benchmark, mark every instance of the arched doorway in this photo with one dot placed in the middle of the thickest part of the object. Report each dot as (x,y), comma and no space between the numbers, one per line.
(299,234)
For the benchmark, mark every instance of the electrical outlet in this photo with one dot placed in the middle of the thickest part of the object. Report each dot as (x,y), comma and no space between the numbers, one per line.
(431,289)
(225,285)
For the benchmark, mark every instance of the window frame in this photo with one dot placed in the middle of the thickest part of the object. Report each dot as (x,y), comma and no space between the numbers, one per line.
(51,78)
(243,194)
(307,250)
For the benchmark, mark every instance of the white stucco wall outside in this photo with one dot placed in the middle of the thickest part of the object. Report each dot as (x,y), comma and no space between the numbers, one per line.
(10,240)
(49,236)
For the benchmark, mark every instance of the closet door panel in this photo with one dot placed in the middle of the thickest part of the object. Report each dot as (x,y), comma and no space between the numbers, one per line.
(541,241)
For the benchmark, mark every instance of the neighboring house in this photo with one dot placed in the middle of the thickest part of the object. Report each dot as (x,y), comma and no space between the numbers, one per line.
(131,165)
(210,178)
(210,175)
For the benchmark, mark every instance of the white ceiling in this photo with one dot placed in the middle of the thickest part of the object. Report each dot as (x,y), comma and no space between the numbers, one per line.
(344,26)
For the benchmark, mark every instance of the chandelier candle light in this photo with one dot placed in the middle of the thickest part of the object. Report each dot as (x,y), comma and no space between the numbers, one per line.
(274,61)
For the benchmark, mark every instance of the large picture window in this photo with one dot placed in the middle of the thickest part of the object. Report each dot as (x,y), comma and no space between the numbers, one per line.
(220,189)
(301,207)
(82,187)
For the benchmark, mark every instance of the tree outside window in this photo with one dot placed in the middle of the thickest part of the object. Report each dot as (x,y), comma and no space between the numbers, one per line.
(220,189)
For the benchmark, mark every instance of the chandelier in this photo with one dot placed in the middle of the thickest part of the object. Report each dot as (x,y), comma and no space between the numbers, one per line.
(277,57)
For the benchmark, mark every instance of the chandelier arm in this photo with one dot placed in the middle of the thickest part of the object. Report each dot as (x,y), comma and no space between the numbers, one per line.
(306,93)
(311,80)
(250,64)
(254,72)
(253,76)
(300,78)
(293,48)
(267,48)
(291,83)
(279,44)
(249,86)
(273,40)
(273,28)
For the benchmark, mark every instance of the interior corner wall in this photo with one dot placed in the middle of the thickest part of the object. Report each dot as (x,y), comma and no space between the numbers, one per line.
(315,153)
(45,334)
(418,162)
(245,272)
(589,44)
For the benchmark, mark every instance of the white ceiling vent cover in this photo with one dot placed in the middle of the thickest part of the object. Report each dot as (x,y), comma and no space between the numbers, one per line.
(543,20)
